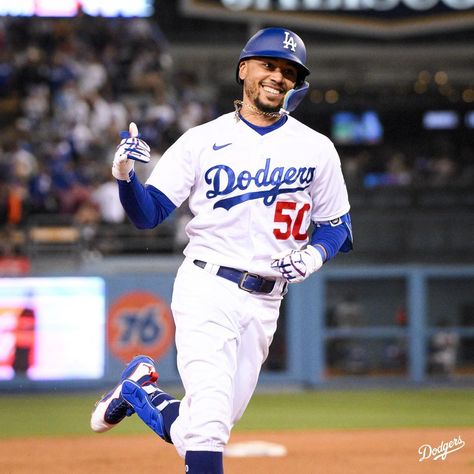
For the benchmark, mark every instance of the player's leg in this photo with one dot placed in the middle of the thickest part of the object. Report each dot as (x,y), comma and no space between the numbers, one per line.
(111,409)
(210,316)
(203,427)
(253,349)
(206,310)
(243,357)
(206,361)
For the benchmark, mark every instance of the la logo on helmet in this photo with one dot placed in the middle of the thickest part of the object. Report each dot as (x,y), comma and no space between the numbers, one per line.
(289,42)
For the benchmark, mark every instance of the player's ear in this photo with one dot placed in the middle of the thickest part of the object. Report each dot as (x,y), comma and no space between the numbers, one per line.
(243,68)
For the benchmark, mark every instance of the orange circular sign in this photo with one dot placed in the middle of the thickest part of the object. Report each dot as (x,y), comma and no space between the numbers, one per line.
(139,323)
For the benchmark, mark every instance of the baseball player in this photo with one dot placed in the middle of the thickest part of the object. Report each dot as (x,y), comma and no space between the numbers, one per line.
(256,179)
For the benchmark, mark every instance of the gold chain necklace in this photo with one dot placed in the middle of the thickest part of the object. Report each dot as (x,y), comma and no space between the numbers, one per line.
(238,104)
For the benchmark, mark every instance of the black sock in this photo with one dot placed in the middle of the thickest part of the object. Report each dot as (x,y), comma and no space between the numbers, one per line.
(169,413)
(204,462)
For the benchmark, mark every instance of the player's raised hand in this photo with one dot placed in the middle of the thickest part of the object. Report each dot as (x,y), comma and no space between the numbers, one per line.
(296,265)
(131,148)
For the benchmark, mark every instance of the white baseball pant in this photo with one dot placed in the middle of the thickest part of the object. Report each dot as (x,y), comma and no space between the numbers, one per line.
(223,334)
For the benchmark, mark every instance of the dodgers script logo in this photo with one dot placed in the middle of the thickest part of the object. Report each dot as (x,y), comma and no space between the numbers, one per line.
(223,181)
(441,452)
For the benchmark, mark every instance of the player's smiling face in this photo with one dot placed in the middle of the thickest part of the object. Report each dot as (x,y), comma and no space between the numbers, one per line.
(266,81)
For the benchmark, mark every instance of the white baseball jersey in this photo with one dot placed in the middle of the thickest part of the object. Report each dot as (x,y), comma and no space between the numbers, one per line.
(251,195)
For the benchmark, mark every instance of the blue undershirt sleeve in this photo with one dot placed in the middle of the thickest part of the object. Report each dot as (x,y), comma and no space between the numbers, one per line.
(334,236)
(146,206)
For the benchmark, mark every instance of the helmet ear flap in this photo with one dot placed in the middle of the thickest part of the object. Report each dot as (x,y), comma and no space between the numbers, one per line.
(293,98)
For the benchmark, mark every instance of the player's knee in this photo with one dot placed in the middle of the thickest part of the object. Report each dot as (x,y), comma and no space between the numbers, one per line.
(213,435)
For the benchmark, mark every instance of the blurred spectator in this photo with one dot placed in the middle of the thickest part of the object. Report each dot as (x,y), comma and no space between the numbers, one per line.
(106,197)
(444,170)
(348,354)
(349,312)
(398,171)
(443,351)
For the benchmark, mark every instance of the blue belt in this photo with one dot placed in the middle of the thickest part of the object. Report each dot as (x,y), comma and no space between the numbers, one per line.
(246,281)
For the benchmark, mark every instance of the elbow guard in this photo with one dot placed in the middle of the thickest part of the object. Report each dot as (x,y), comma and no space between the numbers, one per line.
(334,236)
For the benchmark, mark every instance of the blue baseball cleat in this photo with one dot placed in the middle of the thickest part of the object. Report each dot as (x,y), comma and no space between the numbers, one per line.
(111,409)
(142,404)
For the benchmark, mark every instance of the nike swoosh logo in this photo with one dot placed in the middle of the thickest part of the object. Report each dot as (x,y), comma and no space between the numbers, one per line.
(218,147)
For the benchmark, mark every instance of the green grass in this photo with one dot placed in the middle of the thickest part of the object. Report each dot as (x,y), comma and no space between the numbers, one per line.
(53,415)
(360,409)
(58,415)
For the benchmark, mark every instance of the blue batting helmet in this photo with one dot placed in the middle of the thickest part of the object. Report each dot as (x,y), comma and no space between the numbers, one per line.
(276,43)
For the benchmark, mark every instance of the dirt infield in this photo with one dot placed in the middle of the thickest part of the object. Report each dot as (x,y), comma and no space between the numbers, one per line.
(309,452)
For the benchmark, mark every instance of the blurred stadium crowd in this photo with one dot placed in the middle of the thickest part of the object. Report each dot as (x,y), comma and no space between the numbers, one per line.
(427,164)
(67,88)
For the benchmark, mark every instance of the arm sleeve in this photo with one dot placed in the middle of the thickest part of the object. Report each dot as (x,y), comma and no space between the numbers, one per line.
(334,236)
(146,206)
